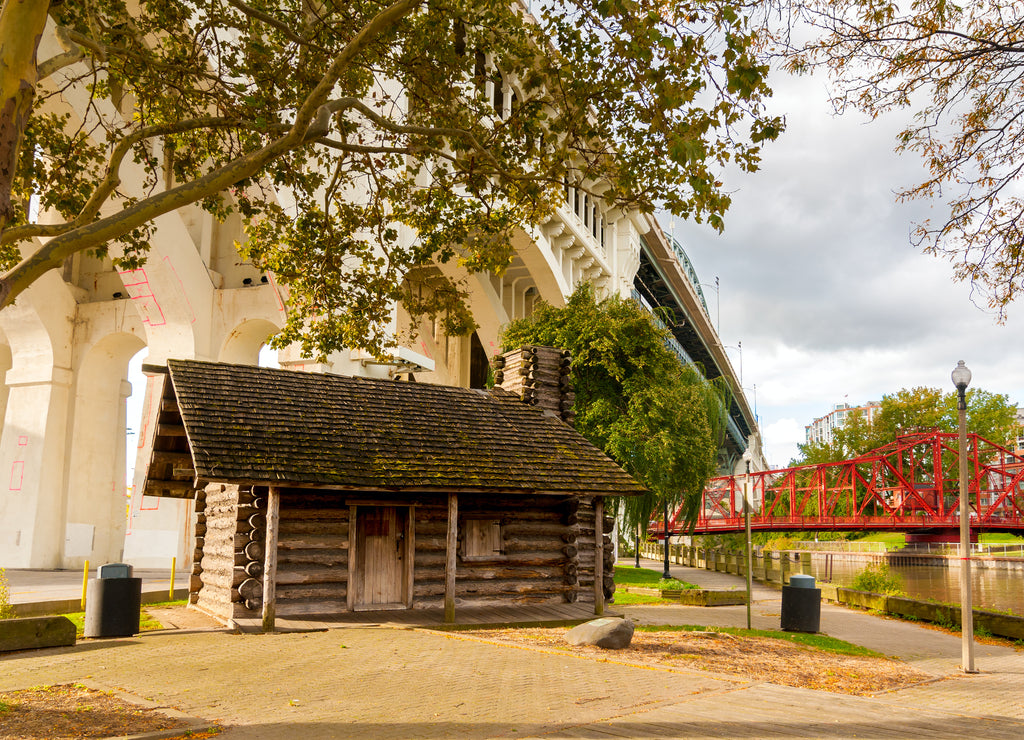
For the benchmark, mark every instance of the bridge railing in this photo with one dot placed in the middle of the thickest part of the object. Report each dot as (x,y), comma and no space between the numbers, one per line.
(911,483)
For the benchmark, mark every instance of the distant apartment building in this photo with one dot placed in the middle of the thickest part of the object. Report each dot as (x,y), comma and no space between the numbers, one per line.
(1018,435)
(822,429)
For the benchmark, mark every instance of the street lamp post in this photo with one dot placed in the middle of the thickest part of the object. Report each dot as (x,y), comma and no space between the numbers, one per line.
(718,305)
(961,379)
(667,574)
(746,525)
(638,544)
(737,346)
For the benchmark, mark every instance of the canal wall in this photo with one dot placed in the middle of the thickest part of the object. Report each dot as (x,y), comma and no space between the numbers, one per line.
(945,615)
(900,557)
(777,567)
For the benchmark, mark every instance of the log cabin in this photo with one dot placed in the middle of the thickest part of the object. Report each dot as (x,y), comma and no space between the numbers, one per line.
(318,494)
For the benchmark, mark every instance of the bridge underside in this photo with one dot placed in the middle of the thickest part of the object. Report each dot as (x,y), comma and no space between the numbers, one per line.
(692,345)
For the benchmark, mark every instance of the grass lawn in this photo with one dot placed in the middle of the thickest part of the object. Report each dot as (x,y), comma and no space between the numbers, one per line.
(626,599)
(891,539)
(627,575)
(999,538)
(897,538)
(146,622)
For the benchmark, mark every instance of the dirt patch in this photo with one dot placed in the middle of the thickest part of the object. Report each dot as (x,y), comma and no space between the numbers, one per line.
(752,658)
(74,711)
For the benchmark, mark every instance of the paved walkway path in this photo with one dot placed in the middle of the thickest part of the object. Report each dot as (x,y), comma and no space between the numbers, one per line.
(397,683)
(29,585)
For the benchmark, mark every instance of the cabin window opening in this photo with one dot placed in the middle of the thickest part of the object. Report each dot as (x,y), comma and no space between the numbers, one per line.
(483,539)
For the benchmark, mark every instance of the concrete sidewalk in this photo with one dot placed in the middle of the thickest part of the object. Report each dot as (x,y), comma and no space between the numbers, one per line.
(401,683)
(36,592)
(30,586)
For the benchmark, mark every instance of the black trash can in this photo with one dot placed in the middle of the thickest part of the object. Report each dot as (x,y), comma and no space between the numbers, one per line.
(801,605)
(113,602)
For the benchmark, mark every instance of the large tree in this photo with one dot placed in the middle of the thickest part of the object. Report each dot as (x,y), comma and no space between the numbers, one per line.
(960,68)
(989,414)
(332,124)
(658,418)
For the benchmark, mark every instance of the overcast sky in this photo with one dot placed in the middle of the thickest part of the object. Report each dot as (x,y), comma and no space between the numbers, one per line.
(821,285)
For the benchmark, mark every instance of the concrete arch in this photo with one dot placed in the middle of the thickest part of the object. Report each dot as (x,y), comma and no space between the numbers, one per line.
(33,444)
(243,343)
(96,503)
(544,268)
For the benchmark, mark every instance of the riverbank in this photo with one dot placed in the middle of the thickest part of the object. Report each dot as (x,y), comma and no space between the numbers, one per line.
(776,568)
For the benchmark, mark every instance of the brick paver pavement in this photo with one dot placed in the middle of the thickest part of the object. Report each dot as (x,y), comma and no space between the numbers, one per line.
(365,683)
(400,683)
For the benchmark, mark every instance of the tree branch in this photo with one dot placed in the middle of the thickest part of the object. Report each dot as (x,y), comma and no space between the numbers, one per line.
(269,20)
(111,178)
(21,28)
(311,121)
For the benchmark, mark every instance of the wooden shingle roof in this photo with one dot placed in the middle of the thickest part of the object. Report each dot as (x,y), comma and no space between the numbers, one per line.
(256,425)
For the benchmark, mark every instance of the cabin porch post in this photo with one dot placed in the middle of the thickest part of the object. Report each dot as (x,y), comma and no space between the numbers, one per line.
(599,556)
(450,559)
(270,558)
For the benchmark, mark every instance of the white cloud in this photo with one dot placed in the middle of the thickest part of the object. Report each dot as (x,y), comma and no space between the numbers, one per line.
(820,283)
(781,439)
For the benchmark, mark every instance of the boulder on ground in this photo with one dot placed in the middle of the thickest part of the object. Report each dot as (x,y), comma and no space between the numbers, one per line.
(611,633)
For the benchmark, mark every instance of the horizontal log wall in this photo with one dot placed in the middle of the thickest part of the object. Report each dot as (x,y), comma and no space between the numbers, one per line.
(535,565)
(547,551)
(312,553)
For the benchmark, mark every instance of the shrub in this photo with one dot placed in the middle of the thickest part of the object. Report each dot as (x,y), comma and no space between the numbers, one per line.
(782,542)
(878,579)
(6,610)
(673,584)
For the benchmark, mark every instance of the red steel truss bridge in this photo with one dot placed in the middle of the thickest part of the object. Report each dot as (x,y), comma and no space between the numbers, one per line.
(909,485)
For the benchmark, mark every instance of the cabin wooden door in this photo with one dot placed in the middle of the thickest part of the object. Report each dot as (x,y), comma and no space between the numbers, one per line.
(382,558)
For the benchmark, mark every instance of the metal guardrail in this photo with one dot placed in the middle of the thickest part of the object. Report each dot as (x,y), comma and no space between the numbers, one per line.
(689,271)
(917,548)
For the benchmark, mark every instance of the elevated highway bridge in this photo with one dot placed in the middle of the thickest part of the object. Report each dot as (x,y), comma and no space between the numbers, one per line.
(667,283)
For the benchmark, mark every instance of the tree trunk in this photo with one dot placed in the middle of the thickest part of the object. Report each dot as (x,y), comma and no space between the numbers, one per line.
(21,27)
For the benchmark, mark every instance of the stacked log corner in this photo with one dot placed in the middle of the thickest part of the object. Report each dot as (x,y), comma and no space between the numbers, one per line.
(587,541)
(312,553)
(199,534)
(540,377)
(214,578)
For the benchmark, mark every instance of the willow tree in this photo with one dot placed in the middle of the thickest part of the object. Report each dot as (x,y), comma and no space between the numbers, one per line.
(362,139)
(658,418)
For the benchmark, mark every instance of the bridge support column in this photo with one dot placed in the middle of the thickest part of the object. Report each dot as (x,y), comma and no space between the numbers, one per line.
(32,465)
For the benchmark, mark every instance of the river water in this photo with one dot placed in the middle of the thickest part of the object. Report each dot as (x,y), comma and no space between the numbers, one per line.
(1001,590)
